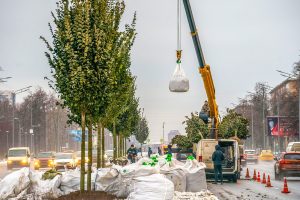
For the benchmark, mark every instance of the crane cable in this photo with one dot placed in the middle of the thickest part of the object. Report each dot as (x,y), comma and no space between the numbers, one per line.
(178,52)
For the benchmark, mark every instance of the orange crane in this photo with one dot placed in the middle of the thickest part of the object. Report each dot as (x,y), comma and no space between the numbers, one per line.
(204,70)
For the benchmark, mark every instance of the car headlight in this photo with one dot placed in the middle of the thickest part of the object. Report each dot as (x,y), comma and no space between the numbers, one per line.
(24,161)
(37,163)
(9,161)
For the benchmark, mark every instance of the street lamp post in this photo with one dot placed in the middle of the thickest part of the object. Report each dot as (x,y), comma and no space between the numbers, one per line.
(163,132)
(7,147)
(13,98)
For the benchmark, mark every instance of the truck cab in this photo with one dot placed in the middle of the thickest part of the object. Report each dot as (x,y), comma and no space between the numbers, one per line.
(18,157)
(231,165)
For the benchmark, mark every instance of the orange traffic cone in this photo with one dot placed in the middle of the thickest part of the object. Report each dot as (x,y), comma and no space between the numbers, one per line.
(264,179)
(269,182)
(254,175)
(247,174)
(285,187)
(258,177)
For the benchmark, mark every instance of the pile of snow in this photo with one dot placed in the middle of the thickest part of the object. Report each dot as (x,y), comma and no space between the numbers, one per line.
(202,195)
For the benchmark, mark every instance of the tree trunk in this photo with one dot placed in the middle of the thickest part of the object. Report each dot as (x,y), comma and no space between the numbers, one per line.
(118,145)
(102,147)
(82,165)
(99,145)
(90,156)
(121,145)
(114,141)
(125,147)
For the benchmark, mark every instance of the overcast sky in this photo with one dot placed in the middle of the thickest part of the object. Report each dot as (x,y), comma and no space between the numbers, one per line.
(243,41)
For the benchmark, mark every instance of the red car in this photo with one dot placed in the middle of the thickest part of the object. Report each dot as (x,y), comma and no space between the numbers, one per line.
(44,160)
(287,165)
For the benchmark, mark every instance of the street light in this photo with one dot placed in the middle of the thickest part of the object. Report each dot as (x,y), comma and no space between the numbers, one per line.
(7,139)
(13,97)
(163,133)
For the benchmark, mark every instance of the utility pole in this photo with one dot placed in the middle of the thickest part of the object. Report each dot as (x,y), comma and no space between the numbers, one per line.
(263,120)
(252,135)
(163,132)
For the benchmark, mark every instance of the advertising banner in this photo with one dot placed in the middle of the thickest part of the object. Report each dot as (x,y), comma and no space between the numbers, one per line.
(282,126)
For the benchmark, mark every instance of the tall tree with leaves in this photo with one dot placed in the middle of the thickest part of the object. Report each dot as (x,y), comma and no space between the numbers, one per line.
(142,130)
(234,124)
(195,128)
(86,44)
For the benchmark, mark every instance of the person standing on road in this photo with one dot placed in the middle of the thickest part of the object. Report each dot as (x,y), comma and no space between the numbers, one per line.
(217,158)
(131,153)
(159,151)
(149,151)
(169,150)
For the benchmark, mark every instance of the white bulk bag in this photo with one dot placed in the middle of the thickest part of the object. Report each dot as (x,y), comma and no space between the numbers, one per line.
(179,82)
(14,183)
(154,187)
(195,176)
(105,177)
(45,189)
(175,174)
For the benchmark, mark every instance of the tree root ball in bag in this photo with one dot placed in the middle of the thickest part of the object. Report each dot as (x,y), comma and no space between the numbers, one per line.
(154,187)
(14,183)
(179,82)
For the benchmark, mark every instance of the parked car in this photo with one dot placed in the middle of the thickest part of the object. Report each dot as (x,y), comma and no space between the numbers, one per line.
(250,155)
(287,165)
(44,160)
(231,165)
(266,155)
(18,157)
(65,160)
(293,147)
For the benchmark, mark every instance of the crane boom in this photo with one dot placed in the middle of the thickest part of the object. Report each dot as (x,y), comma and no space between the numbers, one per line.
(204,70)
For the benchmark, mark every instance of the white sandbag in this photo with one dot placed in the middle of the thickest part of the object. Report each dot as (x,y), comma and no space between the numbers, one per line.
(195,176)
(24,195)
(154,187)
(177,176)
(179,82)
(14,183)
(45,189)
(121,187)
(136,170)
(70,181)
(203,195)
(105,177)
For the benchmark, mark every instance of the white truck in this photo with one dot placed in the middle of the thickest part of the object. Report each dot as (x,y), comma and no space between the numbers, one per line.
(231,165)
(18,157)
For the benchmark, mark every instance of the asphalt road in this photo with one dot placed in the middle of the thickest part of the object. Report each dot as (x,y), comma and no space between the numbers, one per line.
(251,190)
